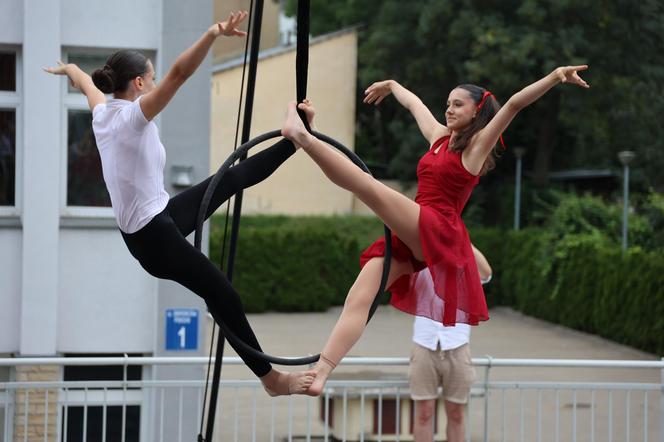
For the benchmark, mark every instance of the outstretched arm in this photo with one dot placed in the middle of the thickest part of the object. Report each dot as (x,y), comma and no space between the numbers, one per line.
(430,127)
(81,81)
(187,63)
(484,140)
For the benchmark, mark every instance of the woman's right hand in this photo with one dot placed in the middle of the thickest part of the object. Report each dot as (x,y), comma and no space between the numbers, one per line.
(229,27)
(377,92)
(569,74)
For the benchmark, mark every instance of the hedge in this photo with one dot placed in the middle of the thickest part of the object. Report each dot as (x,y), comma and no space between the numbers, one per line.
(295,264)
(583,281)
(580,281)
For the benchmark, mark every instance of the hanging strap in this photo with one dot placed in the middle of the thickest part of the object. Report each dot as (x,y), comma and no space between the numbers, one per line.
(255,21)
(302,55)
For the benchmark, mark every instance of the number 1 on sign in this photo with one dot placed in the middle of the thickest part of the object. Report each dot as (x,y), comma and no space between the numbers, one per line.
(182,334)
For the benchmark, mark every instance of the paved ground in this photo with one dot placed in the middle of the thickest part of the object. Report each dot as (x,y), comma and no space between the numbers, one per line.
(507,335)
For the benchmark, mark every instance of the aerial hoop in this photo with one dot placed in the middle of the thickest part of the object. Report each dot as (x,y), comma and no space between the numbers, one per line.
(205,203)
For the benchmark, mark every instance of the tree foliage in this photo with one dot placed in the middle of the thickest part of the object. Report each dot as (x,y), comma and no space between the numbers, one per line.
(430,46)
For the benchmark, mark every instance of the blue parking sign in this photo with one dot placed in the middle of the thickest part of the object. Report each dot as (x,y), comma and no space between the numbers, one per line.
(181,329)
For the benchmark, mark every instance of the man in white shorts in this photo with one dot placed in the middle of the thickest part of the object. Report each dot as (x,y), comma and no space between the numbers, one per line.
(441,357)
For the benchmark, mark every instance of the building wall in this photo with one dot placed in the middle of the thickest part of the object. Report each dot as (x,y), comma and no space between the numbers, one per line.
(226,48)
(68,283)
(116,307)
(298,186)
(10,289)
(11,28)
(117,24)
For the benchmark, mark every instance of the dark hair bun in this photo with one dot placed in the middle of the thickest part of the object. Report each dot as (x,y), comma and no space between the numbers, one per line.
(105,79)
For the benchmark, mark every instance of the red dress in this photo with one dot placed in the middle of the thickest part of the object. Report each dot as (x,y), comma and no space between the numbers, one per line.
(443,189)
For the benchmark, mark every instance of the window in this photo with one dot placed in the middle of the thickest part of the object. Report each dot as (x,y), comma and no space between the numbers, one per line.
(95,410)
(9,105)
(112,415)
(88,63)
(85,183)
(84,191)
(7,157)
(8,71)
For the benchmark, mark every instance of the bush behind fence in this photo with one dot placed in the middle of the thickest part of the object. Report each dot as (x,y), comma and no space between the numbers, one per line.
(579,280)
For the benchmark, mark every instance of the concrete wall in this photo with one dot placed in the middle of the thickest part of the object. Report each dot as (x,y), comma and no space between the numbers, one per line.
(10,289)
(116,24)
(116,307)
(11,25)
(297,187)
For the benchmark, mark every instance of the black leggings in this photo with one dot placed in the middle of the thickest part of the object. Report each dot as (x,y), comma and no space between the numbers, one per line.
(164,252)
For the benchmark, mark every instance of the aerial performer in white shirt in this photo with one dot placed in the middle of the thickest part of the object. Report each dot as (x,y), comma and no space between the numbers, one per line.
(428,232)
(153,225)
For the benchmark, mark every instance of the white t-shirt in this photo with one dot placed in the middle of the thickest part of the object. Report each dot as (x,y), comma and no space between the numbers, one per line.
(429,333)
(132,160)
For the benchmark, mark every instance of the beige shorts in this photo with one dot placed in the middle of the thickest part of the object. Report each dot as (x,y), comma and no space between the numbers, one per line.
(451,369)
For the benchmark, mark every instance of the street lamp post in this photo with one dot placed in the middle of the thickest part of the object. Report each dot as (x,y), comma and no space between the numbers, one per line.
(518,153)
(625,157)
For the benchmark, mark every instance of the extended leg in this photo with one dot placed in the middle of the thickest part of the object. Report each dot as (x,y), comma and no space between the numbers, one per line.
(184,206)
(165,253)
(398,212)
(353,318)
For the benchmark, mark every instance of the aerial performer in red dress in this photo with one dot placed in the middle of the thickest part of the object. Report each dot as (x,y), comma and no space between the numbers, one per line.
(427,232)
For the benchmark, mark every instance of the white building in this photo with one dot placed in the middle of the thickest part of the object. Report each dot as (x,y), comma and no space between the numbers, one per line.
(68,285)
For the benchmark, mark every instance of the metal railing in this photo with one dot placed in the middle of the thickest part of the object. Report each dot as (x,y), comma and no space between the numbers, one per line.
(506,404)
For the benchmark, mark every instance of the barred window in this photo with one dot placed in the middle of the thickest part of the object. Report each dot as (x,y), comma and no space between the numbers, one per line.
(98,420)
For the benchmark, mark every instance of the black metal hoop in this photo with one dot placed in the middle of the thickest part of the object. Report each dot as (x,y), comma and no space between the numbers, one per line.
(205,203)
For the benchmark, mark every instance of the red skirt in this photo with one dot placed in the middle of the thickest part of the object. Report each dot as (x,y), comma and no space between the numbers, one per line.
(458,295)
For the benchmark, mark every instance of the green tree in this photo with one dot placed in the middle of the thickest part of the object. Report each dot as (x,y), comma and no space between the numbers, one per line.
(430,46)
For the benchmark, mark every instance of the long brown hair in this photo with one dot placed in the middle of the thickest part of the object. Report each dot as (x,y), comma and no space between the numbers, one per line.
(489,109)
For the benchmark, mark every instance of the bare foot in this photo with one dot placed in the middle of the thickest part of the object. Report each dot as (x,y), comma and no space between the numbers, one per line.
(279,383)
(294,129)
(322,369)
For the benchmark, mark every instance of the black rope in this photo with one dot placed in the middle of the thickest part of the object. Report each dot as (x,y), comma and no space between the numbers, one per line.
(240,154)
(220,335)
(302,55)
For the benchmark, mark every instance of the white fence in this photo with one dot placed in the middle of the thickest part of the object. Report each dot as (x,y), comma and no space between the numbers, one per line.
(512,400)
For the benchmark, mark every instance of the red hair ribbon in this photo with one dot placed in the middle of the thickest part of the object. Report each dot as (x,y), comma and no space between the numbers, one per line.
(486,95)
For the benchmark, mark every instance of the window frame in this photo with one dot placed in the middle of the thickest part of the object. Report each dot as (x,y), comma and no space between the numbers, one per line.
(13,100)
(76,101)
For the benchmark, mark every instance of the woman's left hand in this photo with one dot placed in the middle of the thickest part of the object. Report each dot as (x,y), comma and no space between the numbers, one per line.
(568,74)
(377,92)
